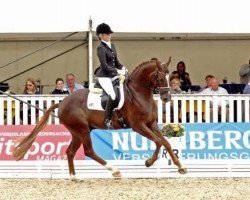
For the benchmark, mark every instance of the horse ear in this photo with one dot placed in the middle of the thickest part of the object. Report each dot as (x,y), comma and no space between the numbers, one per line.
(167,64)
(169,61)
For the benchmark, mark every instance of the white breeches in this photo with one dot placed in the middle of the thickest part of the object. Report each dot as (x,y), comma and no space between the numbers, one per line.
(106,84)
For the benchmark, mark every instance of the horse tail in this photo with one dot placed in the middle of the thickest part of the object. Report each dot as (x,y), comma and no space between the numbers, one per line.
(25,143)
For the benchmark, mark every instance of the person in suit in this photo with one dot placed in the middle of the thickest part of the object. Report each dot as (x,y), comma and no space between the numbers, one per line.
(109,68)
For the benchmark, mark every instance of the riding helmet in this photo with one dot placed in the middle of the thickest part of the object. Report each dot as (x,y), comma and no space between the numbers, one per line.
(103,28)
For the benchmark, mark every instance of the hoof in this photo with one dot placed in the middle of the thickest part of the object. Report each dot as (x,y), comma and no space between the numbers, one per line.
(182,170)
(148,163)
(117,174)
(73,178)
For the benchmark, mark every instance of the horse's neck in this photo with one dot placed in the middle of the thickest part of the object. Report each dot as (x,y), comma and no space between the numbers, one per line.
(137,91)
(141,77)
(139,83)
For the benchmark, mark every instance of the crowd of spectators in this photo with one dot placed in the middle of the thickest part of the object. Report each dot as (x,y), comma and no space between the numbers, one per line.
(31,88)
(212,86)
(179,82)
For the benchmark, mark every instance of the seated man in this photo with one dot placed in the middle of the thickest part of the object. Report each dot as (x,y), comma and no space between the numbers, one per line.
(215,89)
(71,84)
(207,79)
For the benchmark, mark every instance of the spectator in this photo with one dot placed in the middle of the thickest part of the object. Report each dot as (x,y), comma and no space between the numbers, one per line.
(71,85)
(245,91)
(175,86)
(182,75)
(208,84)
(174,89)
(247,87)
(215,89)
(30,89)
(244,73)
(60,89)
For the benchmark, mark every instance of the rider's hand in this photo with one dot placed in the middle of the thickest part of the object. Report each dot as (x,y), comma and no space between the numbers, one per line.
(121,71)
(125,69)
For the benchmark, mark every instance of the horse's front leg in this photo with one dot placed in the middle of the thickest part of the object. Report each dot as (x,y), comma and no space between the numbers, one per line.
(169,149)
(148,133)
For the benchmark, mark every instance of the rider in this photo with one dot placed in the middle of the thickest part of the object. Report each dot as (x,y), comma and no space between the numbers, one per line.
(109,69)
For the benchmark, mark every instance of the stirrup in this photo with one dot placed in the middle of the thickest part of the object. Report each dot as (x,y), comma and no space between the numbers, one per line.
(108,123)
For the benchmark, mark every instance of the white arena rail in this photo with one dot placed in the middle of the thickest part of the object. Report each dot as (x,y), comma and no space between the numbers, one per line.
(184,108)
(129,169)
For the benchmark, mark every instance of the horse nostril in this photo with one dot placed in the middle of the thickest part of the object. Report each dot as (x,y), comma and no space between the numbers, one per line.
(165,100)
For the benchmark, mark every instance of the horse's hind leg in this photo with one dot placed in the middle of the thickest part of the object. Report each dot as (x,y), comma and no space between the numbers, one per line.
(89,151)
(71,152)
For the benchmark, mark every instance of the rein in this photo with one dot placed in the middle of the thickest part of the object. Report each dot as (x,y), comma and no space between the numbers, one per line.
(157,88)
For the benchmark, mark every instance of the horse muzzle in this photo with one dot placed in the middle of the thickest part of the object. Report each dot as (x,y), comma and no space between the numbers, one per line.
(165,94)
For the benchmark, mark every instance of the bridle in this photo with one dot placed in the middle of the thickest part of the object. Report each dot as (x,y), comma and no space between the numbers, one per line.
(157,88)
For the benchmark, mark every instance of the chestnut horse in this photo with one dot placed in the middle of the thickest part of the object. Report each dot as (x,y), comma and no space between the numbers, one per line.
(139,111)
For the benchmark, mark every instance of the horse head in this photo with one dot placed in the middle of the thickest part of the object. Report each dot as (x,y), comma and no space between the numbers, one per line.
(160,80)
(153,75)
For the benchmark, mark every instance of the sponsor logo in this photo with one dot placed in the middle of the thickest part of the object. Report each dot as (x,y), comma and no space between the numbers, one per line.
(217,144)
(51,144)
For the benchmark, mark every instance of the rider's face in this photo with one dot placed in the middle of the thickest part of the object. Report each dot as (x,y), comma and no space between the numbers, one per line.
(105,37)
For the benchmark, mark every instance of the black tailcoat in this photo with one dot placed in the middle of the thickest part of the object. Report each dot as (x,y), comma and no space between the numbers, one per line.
(109,61)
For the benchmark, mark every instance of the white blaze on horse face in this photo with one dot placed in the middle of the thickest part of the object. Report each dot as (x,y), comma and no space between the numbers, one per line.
(167,78)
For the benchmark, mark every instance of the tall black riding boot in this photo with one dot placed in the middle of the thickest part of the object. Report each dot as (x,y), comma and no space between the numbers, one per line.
(108,113)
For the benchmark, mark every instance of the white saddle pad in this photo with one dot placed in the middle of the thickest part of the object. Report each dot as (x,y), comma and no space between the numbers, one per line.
(94,98)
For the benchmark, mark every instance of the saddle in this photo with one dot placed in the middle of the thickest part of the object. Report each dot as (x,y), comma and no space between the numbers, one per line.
(97,97)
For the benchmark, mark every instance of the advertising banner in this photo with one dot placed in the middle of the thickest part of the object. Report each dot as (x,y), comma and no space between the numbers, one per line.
(50,144)
(216,141)
(200,141)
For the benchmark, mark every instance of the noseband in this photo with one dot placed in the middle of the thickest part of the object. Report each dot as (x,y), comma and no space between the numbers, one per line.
(158,89)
